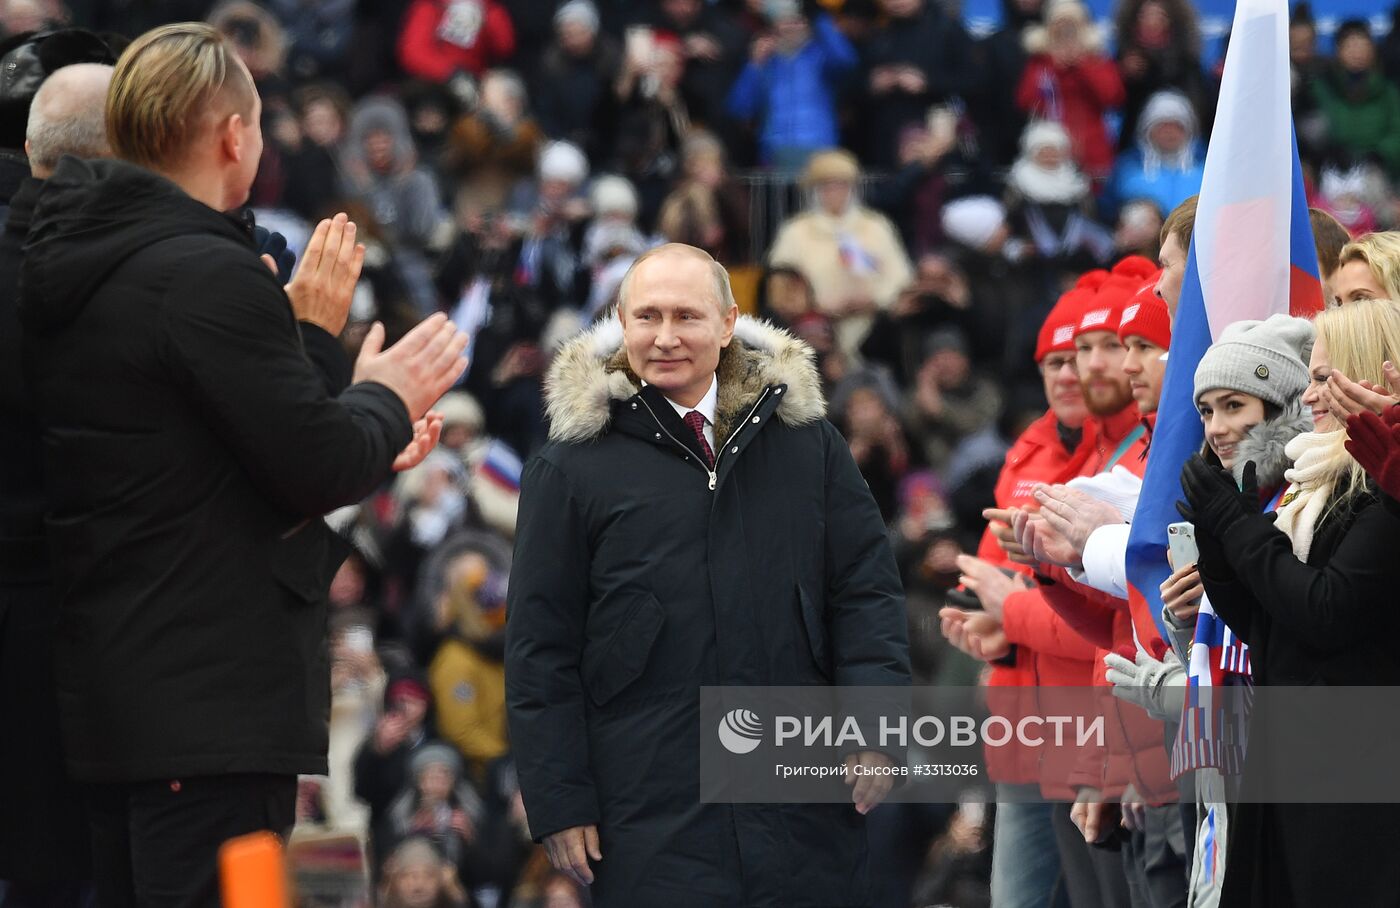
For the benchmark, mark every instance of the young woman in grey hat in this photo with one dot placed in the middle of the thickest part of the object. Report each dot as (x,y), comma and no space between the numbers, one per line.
(1249,388)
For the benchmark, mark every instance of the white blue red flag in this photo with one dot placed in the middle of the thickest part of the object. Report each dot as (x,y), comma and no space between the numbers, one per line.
(1251,256)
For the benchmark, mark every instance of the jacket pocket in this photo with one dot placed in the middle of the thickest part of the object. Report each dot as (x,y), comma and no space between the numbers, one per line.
(814,624)
(623,658)
(305,561)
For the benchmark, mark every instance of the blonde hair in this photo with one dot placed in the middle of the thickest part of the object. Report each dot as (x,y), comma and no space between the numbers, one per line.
(1360,337)
(723,292)
(166,86)
(1381,253)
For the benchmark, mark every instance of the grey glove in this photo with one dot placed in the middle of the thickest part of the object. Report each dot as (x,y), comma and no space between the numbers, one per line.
(1159,687)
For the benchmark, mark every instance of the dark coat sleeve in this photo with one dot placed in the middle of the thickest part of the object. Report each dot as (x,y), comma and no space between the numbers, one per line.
(869,632)
(230,334)
(546,612)
(1334,606)
(378,777)
(328,356)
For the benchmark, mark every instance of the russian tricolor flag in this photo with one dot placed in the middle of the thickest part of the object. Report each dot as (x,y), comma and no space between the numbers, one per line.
(1251,256)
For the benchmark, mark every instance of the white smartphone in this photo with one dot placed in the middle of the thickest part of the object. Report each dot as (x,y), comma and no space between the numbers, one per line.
(1181,545)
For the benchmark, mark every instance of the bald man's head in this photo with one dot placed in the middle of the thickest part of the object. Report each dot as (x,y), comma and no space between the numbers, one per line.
(68,116)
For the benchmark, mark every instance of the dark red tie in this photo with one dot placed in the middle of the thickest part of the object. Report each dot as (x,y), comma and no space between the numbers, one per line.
(696,420)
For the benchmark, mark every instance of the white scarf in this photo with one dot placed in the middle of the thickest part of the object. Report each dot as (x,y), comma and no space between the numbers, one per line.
(1064,185)
(1312,479)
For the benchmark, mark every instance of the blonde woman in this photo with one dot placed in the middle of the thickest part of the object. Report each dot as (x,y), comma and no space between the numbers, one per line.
(851,255)
(1368,269)
(1303,591)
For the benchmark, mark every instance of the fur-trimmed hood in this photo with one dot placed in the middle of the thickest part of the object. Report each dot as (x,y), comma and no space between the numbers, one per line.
(591,372)
(1264,444)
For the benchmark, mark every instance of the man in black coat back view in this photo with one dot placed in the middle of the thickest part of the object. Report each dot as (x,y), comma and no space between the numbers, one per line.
(692,521)
(189,450)
(43,836)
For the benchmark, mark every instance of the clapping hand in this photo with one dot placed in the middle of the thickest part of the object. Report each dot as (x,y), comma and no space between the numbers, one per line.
(324,285)
(1347,398)
(426,433)
(1042,542)
(977,634)
(1075,515)
(1376,446)
(988,583)
(1214,503)
(420,367)
(1002,524)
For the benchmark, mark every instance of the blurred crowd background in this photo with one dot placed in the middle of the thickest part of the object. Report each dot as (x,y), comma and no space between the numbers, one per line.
(908,197)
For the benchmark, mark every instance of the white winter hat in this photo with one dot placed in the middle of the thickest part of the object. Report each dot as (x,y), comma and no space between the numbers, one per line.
(563,161)
(1267,359)
(611,194)
(973,221)
(1169,106)
(1043,133)
(460,408)
(1062,9)
(580,11)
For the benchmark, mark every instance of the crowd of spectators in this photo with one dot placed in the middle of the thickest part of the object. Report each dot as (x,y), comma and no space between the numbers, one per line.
(506,160)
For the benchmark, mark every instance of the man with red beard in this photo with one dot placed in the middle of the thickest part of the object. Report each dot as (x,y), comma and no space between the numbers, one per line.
(1120,439)
(1017,632)
(1137,757)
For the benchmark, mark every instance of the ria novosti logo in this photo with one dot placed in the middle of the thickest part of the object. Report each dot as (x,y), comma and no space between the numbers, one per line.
(740,731)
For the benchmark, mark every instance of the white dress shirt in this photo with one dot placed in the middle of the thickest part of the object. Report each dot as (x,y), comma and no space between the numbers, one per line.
(707,406)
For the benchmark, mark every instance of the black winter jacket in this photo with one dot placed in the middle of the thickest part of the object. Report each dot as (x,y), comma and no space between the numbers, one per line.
(1331,621)
(190,447)
(635,582)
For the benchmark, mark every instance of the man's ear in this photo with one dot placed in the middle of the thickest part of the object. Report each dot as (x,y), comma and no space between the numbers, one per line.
(28,149)
(731,316)
(231,137)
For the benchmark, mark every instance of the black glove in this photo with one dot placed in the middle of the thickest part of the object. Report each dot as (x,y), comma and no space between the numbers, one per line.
(1213,502)
(275,245)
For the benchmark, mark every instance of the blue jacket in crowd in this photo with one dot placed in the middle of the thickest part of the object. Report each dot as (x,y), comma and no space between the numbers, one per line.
(795,95)
(1165,185)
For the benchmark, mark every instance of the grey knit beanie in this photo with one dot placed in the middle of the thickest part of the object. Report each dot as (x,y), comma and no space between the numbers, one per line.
(1267,359)
(435,753)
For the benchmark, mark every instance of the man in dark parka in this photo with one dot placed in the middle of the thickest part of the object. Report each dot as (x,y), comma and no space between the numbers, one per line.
(644,569)
(43,833)
(189,447)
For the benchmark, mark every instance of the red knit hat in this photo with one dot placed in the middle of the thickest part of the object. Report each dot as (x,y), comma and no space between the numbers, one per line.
(1146,316)
(1057,334)
(1091,280)
(1136,268)
(1106,310)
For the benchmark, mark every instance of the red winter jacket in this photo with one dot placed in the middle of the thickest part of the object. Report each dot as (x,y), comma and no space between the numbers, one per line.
(1076,96)
(441,37)
(1037,456)
(1136,751)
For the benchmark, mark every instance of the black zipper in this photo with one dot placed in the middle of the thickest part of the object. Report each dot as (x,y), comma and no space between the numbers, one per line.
(713,474)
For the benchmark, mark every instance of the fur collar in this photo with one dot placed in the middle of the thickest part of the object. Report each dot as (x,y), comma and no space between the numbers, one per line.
(591,371)
(1264,444)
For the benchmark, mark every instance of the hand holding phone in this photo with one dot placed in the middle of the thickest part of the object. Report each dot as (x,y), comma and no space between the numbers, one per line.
(1181,545)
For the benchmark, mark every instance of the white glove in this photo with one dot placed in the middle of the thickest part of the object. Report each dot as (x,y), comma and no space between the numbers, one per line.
(1156,686)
